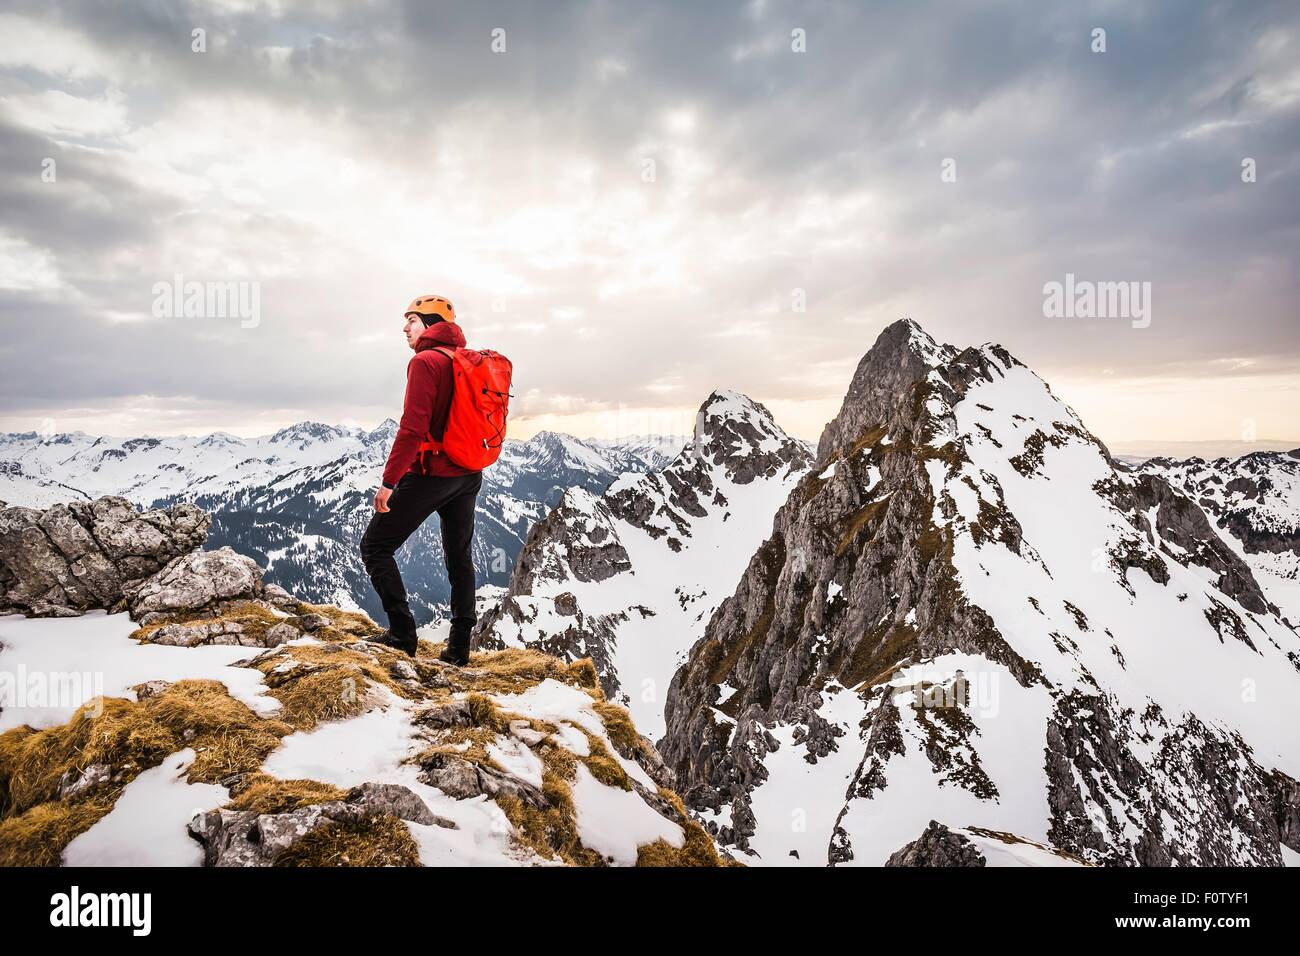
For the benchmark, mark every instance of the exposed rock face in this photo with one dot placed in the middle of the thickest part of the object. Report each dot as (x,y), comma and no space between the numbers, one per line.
(1255,500)
(596,553)
(248,838)
(75,557)
(577,591)
(938,846)
(1186,536)
(1092,761)
(216,597)
(1285,795)
(464,779)
(222,630)
(959,516)
(195,581)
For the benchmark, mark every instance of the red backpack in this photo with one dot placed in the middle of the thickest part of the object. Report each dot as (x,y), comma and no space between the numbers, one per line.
(480,401)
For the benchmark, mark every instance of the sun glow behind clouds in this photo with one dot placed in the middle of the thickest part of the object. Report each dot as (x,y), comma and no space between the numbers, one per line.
(633,224)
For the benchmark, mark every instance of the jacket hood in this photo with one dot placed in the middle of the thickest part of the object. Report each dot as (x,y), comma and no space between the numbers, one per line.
(440,333)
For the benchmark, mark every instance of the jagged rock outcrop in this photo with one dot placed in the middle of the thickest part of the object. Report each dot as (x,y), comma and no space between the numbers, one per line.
(75,557)
(1184,534)
(938,846)
(217,597)
(859,518)
(1111,805)
(249,838)
(1255,501)
(193,582)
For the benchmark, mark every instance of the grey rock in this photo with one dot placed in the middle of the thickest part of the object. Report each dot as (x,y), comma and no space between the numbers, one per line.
(1285,794)
(1222,790)
(96,775)
(229,838)
(214,625)
(150,688)
(277,634)
(454,713)
(401,802)
(82,555)
(403,671)
(281,598)
(463,779)
(195,581)
(247,838)
(520,729)
(938,846)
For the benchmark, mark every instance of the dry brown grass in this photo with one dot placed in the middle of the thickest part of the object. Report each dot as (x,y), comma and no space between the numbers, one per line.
(696,850)
(328,682)
(129,737)
(267,794)
(375,841)
(38,836)
(346,622)
(255,618)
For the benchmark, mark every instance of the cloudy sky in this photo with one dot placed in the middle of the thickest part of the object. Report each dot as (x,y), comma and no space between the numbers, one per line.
(639,202)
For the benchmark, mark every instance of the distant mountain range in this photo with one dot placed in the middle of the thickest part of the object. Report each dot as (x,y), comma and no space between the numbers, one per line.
(1208,450)
(298,500)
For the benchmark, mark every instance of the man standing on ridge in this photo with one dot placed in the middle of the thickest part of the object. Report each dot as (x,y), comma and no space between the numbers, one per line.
(418,482)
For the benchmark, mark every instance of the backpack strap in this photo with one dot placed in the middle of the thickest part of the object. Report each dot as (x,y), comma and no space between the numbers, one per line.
(431,444)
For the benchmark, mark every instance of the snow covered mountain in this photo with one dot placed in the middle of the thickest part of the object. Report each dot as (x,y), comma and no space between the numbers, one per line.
(655,450)
(299,500)
(968,620)
(1255,500)
(630,577)
(39,470)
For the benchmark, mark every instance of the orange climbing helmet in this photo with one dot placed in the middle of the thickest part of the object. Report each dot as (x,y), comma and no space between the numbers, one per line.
(433,305)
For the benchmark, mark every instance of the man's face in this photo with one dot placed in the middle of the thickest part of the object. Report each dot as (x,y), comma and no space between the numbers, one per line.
(413,329)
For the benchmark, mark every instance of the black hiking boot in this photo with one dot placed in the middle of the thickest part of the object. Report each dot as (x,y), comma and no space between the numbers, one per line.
(389,639)
(454,655)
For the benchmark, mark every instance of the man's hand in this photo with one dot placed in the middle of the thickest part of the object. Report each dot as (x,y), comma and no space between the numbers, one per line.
(381,498)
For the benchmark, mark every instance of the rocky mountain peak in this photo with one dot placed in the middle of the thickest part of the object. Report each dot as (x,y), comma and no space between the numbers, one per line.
(307,432)
(383,433)
(629,577)
(903,354)
(739,436)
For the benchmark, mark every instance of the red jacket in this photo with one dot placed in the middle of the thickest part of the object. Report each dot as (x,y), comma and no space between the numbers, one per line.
(424,410)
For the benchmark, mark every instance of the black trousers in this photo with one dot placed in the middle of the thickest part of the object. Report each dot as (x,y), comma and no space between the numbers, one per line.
(412,501)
